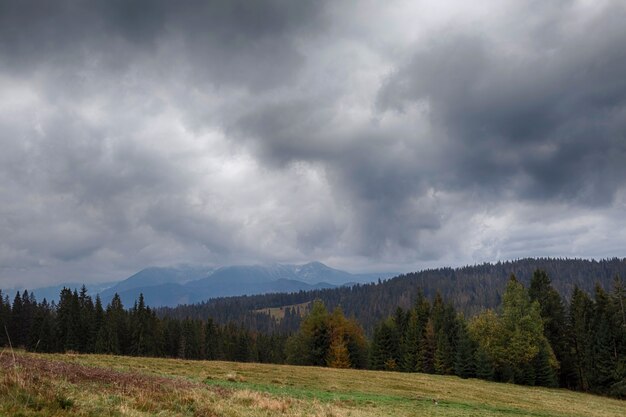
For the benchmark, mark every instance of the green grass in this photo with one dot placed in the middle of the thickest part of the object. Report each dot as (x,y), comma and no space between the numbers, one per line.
(95,385)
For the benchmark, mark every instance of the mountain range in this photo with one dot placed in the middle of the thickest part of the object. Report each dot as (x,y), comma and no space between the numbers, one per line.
(171,286)
(471,289)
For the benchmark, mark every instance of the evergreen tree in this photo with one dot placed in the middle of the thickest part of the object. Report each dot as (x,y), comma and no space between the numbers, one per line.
(113,333)
(41,337)
(427,349)
(618,300)
(211,340)
(580,323)
(604,353)
(522,331)
(484,365)
(545,374)
(553,314)
(15,330)
(464,365)
(29,305)
(384,353)
(310,345)
(441,361)
(411,342)
(98,324)
(85,325)
(140,342)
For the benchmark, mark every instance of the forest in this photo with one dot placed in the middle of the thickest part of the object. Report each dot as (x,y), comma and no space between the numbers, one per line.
(533,337)
(471,289)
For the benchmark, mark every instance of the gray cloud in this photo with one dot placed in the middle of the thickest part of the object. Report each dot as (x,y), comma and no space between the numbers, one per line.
(386,138)
(542,122)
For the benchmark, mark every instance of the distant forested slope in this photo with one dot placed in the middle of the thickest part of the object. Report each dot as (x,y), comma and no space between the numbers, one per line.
(471,289)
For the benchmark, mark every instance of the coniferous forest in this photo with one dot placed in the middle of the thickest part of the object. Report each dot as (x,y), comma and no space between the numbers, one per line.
(533,337)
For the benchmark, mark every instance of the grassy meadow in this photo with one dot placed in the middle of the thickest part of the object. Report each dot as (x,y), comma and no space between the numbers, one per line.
(101,385)
(278,313)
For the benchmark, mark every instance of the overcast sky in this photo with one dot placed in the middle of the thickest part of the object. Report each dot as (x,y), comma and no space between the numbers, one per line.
(370,135)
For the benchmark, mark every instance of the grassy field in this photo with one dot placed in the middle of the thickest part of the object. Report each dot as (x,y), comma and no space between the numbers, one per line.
(98,385)
(278,313)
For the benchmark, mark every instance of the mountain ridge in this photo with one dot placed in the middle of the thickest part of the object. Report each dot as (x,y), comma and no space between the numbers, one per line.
(186,284)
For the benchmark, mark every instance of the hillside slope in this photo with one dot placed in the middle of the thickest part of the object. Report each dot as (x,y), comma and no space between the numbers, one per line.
(84,385)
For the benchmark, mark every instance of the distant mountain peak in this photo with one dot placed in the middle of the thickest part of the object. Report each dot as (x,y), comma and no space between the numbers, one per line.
(176,284)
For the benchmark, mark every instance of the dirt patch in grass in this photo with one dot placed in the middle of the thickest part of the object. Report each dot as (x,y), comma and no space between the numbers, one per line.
(75,373)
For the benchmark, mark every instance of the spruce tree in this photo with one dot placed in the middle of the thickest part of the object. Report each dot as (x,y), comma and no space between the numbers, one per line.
(384,351)
(553,314)
(211,340)
(580,324)
(604,354)
(464,364)
(15,330)
(484,365)
(545,374)
(311,344)
(411,342)
(522,335)
(98,324)
(29,305)
(618,300)
(427,349)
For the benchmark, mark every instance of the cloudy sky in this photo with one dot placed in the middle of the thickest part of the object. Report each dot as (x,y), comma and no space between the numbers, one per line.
(370,135)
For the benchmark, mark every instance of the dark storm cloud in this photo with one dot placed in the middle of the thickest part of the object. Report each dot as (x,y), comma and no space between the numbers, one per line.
(233,42)
(543,122)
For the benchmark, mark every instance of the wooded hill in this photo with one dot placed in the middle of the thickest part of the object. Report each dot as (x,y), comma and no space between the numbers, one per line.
(471,289)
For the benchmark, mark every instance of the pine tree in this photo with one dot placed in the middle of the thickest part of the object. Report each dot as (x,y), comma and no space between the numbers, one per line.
(85,320)
(384,351)
(464,365)
(604,354)
(580,322)
(411,342)
(427,349)
(244,346)
(618,300)
(484,365)
(139,328)
(310,345)
(441,362)
(211,340)
(15,330)
(98,324)
(522,335)
(553,314)
(29,304)
(545,374)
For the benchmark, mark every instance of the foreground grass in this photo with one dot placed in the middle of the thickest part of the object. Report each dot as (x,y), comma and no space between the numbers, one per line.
(100,385)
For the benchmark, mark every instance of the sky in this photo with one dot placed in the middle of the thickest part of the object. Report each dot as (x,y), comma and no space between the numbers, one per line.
(370,135)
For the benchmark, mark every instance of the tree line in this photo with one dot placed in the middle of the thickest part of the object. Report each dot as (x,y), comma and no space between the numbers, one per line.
(534,337)
(79,323)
